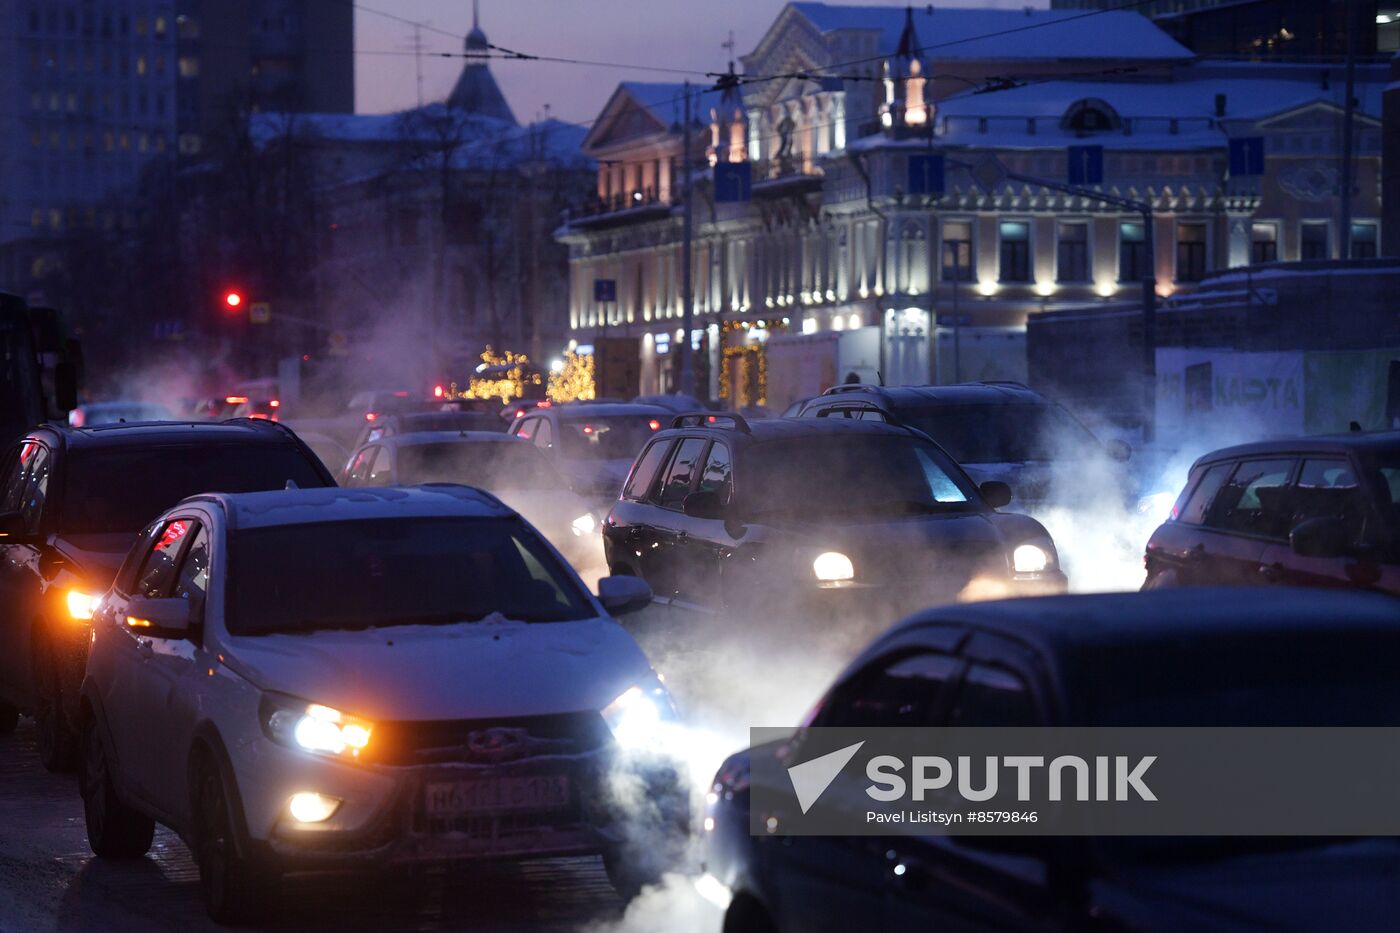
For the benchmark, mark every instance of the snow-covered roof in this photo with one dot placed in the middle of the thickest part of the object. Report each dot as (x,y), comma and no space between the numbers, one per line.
(1033,35)
(666,101)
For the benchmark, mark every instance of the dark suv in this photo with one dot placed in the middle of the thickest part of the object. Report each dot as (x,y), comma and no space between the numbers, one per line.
(72,502)
(1309,511)
(824,516)
(995,430)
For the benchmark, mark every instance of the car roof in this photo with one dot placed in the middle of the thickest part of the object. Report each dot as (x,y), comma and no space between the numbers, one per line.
(1084,637)
(417,438)
(1374,441)
(167,433)
(769,429)
(332,504)
(963,393)
(604,409)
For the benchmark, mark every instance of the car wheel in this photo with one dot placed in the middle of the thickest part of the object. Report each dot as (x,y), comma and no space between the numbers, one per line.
(9,718)
(114,830)
(58,746)
(236,889)
(1161,580)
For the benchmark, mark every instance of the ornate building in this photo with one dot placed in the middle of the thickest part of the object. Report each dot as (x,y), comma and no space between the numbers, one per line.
(838,264)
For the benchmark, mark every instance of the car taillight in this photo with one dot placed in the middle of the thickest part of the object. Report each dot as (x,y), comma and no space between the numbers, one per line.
(654,424)
(438,391)
(371,415)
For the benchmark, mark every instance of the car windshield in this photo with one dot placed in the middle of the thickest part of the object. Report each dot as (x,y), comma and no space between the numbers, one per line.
(120,489)
(1004,433)
(491,465)
(852,476)
(450,421)
(399,571)
(607,437)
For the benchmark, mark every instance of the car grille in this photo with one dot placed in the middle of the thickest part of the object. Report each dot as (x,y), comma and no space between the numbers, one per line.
(935,570)
(486,741)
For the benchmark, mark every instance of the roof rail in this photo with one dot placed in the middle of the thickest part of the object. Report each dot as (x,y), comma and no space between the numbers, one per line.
(1004,382)
(852,387)
(705,419)
(856,406)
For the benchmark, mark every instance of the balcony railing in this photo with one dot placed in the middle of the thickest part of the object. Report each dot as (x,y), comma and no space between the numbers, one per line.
(625,201)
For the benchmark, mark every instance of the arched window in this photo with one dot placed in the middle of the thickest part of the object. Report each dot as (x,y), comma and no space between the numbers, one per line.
(1091,116)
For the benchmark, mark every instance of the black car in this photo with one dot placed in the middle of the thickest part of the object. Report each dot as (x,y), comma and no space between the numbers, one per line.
(72,502)
(1305,511)
(995,430)
(392,423)
(591,443)
(1203,657)
(822,515)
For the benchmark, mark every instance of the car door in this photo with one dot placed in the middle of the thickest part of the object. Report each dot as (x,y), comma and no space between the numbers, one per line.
(627,528)
(1248,512)
(704,543)
(831,883)
(967,883)
(1326,487)
(26,492)
(138,693)
(663,559)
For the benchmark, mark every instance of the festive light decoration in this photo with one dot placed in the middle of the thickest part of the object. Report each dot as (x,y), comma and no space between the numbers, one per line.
(747,355)
(573,383)
(504,375)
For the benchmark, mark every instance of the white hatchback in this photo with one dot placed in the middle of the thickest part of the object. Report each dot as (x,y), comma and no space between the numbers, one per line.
(340,679)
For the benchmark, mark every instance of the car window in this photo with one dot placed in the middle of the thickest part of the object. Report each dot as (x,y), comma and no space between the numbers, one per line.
(13,474)
(993,696)
(676,486)
(644,473)
(525,427)
(192,580)
(904,691)
(36,465)
(381,469)
(1194,512)
(158,569)
(364,462)
(544,434)
(1329,489)
(718,476)
(1254,501)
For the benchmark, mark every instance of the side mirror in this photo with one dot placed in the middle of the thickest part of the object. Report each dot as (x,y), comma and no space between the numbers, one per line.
(703,505)
(1119,450)
(12,527)
(1319,537)
(996,493)
(159,618)
(65,386)
(621,594)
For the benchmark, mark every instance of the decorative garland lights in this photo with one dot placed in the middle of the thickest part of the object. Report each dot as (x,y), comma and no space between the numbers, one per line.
(502,375)
(575,382)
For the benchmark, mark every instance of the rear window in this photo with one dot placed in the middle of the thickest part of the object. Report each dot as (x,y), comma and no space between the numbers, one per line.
(120,489)
(610,437)
(1004,433)
(506,464)
(1194,511)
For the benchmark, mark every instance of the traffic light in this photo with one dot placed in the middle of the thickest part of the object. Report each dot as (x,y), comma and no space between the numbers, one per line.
(233,299)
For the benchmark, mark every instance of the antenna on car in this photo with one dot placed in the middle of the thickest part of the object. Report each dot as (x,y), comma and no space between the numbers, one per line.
(291,484)
(880,378)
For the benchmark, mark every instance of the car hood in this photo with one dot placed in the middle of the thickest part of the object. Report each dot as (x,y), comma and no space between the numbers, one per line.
(1303,890)
(99,556)
(489,669)
(952,531)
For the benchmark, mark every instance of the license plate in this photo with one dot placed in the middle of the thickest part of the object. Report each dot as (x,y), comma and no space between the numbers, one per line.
(495,795)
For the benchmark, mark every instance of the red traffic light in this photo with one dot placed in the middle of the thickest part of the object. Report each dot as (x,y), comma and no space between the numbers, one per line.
(233,299)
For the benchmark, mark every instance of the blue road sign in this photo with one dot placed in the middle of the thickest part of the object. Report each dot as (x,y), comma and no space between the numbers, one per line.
(1247,156)
(1086,165)
(604,290)
(733,182)
(925,173)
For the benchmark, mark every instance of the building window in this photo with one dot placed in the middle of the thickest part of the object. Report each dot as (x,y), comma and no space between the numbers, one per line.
(160,27)
(1190,252)
(1132,251)
(1072,253)
(187,27)
(1015,251)
(1263,243)
(141,66)
(957,251)
(188,144)
(1314,241)
(1363,241)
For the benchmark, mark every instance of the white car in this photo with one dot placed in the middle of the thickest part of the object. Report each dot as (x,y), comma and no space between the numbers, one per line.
(352,678)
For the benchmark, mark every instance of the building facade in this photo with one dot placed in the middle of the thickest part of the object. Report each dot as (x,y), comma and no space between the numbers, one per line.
(842,263)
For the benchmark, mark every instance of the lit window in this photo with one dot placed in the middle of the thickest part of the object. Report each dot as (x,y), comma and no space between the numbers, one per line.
(1015,251)
(141,66)
(160,27)
(1132,251)
(189,66)
(1363,241)
(1263,243)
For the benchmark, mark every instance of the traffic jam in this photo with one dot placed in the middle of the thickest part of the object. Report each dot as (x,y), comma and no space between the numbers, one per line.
(419,634)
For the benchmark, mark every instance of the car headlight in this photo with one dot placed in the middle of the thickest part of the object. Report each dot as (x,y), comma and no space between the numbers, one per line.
(1157,506)
(641,714)
(1028,558)
(313,727)
(82,605)
(583,525)
(833,567)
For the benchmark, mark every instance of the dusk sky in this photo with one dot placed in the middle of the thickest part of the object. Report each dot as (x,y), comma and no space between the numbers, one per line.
(664,33)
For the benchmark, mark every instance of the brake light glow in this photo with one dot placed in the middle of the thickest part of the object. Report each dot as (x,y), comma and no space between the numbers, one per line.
(588,429)
(654,424)
(236,399)
(546,403)
(371,415)
(520,413)
(438,391)
(400,394)
(710,419)
(275,403)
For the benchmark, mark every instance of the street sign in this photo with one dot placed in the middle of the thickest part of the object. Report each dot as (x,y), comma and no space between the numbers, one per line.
(925,173)
(259,312)
(604,290)
(733,182)
(1086,165)
(1246,156)
(989,174)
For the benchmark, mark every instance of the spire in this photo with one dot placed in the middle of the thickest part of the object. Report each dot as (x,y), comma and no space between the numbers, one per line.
(905,82)
(908,39)
(476,91)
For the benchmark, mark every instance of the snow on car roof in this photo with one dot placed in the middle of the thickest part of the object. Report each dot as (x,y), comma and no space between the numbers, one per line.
(306,506)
